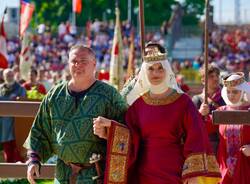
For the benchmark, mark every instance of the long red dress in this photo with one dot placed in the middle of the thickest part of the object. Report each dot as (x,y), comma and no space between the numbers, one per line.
(169,141)
(234,165)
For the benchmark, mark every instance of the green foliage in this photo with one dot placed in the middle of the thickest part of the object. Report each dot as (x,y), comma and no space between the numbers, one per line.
(56,11)
(193,10)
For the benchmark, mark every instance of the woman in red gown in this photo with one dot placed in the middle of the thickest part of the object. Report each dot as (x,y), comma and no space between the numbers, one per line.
(234,147)
(168,143)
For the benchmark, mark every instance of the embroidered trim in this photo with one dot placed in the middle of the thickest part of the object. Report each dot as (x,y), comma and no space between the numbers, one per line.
(117,166)
(235,82)
(121,139)
(200,163)
(194,163)
(164,101)
(154,54)
(117,154)
(212,165)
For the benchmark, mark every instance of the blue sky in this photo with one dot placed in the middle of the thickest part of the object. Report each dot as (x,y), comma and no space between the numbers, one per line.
(227,7)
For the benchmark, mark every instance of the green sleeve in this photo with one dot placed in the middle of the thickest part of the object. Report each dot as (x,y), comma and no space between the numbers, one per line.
(128,87)
(118,107)
(39,139)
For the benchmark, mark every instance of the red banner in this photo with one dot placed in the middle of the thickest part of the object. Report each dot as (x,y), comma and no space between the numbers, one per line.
(77,6)
(27,10)
(3,46)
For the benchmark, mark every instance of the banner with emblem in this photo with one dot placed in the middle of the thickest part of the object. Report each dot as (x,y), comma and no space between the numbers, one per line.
(116,63)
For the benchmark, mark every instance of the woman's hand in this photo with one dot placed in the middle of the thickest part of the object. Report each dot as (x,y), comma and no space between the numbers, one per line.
(246,150)
(100,126)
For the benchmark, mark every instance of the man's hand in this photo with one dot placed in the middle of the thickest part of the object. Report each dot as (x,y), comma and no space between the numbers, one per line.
(100,126)
(246,150)
(204,109)
(33,170)
(192,180)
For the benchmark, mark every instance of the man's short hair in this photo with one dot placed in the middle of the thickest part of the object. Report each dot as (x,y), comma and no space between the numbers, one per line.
(7,70)
(210,69)
(33,70)
(83,48)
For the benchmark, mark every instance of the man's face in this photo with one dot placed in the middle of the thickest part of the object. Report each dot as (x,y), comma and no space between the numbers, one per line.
(81,64)
(213,80)
(33,76)
(9,77)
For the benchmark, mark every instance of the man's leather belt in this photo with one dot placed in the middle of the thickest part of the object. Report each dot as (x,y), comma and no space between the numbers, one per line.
(76,168)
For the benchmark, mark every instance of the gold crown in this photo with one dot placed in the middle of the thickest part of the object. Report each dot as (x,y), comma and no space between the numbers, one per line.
(154,54)
(235,82)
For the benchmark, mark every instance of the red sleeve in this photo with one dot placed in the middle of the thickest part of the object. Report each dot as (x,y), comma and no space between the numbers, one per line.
(41,89)
(26,86)
(198,153)
(210,127)
(131,121)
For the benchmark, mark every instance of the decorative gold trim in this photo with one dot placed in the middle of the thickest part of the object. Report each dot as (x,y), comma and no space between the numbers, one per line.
(235,82)
(200,163)
(193,164)
(117,166)
(121,139)
(117,154)
(164,101)
(153,54)
(212,165)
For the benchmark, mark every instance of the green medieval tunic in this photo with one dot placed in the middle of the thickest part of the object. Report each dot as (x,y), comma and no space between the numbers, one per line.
(64,127)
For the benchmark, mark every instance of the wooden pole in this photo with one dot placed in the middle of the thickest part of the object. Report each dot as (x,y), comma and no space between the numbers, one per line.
(206,40)
(142,30)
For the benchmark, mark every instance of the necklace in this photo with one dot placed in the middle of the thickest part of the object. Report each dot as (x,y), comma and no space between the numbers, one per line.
(171,97)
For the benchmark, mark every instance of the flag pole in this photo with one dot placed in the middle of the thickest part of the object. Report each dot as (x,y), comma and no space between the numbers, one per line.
(73,15)
(19,24)
(142,30)
(206,40)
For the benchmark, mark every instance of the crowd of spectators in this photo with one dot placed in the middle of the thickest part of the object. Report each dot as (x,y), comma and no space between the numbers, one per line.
(49,51)
(229,49)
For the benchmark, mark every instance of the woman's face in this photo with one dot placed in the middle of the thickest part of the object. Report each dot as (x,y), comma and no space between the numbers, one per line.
(233,95)
(156,73)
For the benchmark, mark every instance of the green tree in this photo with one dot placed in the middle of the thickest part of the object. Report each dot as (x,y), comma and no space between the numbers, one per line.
(193,10)
(56,11)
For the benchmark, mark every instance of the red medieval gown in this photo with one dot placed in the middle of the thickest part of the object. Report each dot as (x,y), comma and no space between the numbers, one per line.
(168,143)
(234,165)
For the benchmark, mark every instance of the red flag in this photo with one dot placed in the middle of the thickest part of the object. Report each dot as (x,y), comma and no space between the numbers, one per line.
(3,45)
(26,12)
(77,6)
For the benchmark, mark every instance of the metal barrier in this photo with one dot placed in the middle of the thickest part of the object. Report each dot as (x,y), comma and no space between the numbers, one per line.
(19,170)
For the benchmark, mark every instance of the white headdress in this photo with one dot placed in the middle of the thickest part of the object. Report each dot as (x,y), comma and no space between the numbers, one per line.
(142,85)
(237,81)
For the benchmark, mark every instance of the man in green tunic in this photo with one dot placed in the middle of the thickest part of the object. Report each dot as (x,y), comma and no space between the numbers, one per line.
(64,123)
